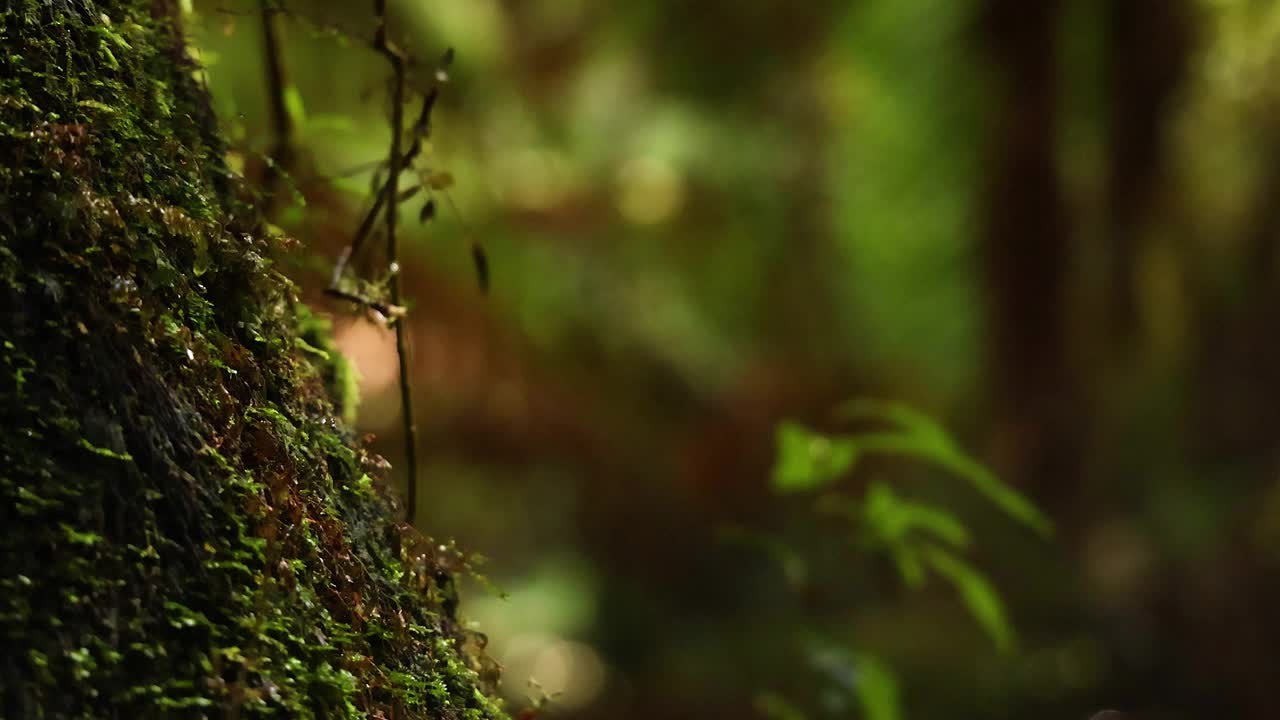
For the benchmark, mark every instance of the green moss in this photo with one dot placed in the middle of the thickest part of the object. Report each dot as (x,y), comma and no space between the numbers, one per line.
(315,336)
(189,530)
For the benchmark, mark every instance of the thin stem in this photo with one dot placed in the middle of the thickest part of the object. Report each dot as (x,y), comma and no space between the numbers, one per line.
(394,162)
(366,226)
(390,312)
(421,130)
(387,201)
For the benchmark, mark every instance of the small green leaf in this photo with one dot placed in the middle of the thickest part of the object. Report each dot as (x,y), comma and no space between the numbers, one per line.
(201,262)
(977,593)
(808,460)
(99,106)
(109,34)
(910,567)
(927,442)
(305,346)
(894,519)
(104,452)
(1012,502)
(876,687)
(109,57)
(77,537)
(293,104)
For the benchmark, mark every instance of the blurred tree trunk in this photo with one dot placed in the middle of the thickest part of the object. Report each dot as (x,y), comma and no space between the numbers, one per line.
(188,531)
(1148,42)
(1237,374)
(1024,249)
(1234,431)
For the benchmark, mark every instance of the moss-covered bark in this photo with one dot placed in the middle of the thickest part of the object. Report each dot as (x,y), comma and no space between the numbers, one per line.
(185,528)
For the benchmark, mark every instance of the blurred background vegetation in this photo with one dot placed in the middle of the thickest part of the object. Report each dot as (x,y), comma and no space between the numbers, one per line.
(1052,226)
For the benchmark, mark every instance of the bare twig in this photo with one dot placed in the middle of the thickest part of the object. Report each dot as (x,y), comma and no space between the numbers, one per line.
(390,312)
(395,162)
(421,131)
(386,204)
(366,226)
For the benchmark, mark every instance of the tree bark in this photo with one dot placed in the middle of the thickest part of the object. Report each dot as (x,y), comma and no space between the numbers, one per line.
(188,529)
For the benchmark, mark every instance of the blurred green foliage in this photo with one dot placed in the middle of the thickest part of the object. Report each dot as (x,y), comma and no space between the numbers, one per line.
(807,461)
(918,536)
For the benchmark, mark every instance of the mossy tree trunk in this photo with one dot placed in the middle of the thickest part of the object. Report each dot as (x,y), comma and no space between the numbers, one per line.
(187,530)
